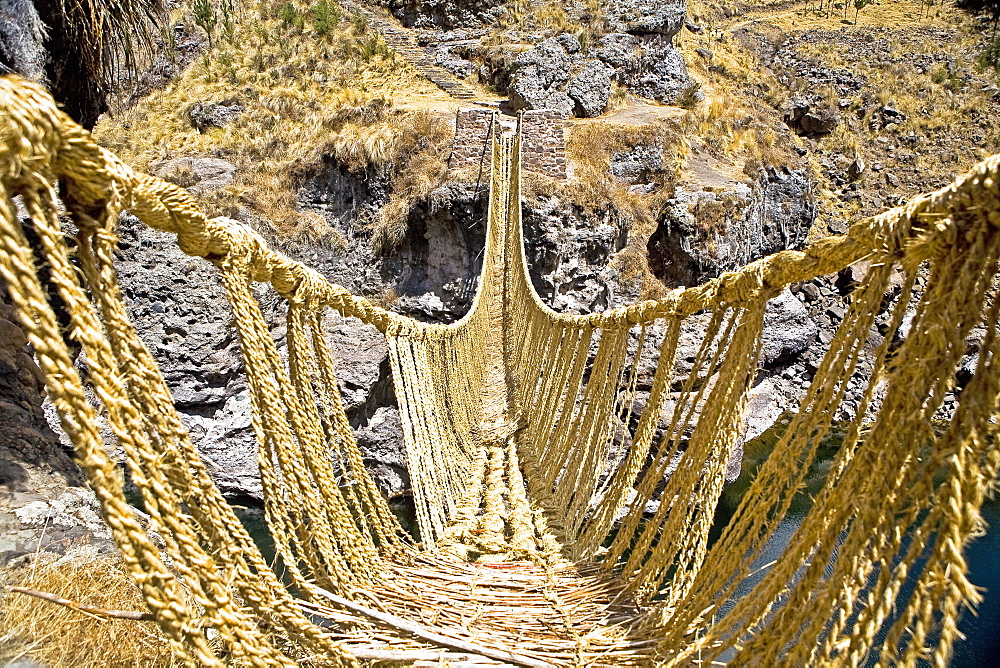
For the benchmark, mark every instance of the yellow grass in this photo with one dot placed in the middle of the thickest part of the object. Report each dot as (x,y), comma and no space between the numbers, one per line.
(590,146)
(58,637)
(306,96)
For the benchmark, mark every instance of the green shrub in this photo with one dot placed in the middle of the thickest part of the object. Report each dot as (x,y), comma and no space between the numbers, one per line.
(288,14)
(205,17)
(990,57)
(360,22)
(325,17)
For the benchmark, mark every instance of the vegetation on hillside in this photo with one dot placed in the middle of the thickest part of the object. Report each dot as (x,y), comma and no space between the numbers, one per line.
(921,59)
(315,83)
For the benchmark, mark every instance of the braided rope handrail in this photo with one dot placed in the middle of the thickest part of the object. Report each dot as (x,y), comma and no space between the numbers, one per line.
(94,176)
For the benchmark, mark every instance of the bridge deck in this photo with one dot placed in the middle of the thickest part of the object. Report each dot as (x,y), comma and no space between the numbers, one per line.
(564,614)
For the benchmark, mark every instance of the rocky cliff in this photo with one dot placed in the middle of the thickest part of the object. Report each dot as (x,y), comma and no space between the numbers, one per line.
(44,503)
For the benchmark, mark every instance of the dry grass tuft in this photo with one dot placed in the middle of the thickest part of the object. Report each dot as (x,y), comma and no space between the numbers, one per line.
(420,156)
(56,636)
(591,148)
(586,20)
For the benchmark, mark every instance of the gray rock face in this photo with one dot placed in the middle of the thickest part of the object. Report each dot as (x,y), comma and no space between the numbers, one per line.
(788,329)
(21,37)
(446,13)
(381,444)
(661,17)
(568,258)
(44,505)
(704,233)
(460,67)
(362,358)
(183,314)
(199,175)
(638,164)
(205,115)
(619,50)
(436,270)
(180,309)
(648,65)
(539,74)
(554,75)
(590,89)
(223,432)
(26,441)
(663,76)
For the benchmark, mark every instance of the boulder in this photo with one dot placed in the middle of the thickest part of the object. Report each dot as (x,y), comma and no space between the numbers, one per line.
(856,168)
(446,14)
(198,175)
(765,404)
(590,89)
(641,17)
(538,76)
(205,115)
(788,329)
(818,122)
(569,42)
(808,119)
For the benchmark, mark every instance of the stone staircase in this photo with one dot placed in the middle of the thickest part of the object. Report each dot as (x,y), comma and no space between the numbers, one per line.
(402,41)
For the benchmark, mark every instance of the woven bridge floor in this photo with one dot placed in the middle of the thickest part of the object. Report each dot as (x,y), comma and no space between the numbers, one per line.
(564,614)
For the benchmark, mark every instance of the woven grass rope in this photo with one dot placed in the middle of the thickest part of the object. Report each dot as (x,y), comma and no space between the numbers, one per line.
(535,442)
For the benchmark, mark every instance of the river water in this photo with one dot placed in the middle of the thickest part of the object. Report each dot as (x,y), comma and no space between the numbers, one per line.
(981,648)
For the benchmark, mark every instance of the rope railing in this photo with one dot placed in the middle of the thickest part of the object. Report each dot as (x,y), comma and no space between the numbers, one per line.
(565,469)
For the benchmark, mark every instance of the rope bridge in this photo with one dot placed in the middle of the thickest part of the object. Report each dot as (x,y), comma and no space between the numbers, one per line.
(535,443)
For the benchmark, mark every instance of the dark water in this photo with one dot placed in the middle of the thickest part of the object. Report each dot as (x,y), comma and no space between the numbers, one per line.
(982,631)
(981,648)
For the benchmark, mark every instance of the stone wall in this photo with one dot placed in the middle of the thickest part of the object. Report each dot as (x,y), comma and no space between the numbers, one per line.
(543,146)
(472,135)
(543,142)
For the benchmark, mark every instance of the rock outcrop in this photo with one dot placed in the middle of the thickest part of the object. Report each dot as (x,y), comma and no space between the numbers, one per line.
(647,17)
(809,118)
(556,74)
(447,14)
(21,35)
(206,115)
(197,175)
(44,504)
(539,75)
(640,49)
(590,89)
(184,319)
(705,232)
